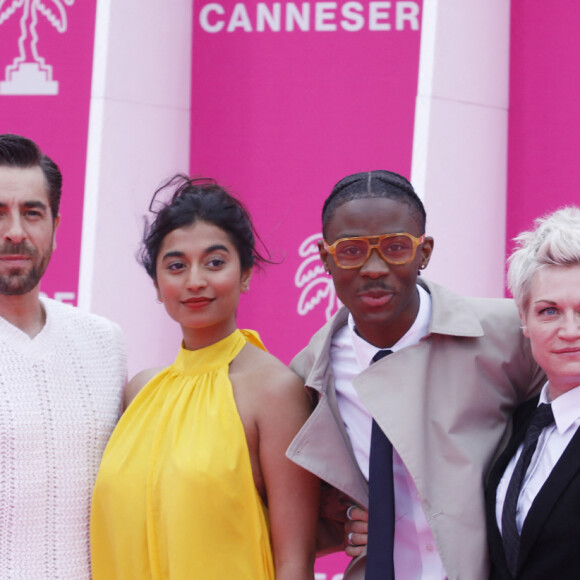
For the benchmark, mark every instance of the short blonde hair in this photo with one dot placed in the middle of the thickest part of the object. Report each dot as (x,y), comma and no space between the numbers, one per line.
(555,241)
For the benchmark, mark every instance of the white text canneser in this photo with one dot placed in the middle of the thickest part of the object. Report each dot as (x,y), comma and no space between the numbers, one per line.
(349,16)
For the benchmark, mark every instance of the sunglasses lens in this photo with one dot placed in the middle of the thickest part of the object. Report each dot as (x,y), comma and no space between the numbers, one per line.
(397,249)
(351,253)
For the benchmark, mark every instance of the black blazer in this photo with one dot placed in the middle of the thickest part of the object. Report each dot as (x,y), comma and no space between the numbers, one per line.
(550,541)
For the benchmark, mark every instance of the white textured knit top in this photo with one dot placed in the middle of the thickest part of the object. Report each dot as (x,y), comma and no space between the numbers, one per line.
(60,397)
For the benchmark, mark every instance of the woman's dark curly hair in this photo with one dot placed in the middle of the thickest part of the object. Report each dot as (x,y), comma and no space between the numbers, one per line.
(198,199)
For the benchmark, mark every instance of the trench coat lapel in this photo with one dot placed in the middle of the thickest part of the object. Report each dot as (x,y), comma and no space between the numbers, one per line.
(323,446)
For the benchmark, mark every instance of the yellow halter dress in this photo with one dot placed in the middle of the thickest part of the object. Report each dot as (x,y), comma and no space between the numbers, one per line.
(175,496)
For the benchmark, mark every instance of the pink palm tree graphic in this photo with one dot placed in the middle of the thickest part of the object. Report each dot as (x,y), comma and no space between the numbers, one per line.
(317,287)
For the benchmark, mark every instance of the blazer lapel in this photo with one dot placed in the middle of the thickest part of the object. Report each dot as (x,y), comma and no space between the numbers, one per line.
(520,421)
(495,476)
(520,424)
(564,470)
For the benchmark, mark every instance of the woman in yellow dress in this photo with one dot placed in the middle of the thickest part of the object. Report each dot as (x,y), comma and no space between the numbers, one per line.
(194,483)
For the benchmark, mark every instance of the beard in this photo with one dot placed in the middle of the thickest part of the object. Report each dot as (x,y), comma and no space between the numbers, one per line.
(20,281)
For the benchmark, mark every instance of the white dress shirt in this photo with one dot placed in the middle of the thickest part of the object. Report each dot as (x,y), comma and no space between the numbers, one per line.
(415,553)
(552,442)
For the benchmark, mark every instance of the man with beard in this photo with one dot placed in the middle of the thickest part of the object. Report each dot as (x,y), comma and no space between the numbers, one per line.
(62,372)
(407,360)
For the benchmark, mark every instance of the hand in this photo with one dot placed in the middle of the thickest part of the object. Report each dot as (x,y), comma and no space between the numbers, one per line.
(330,535)
(356,529)
(333,504)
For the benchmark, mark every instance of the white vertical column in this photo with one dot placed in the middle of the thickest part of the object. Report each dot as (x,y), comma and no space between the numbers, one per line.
(139,134)
(460,142)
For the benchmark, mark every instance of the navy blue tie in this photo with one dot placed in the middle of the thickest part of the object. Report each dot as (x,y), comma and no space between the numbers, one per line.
(381,539)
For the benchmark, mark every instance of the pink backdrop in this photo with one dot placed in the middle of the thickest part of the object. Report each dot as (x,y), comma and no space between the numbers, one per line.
(284,106)
(45,82)
(544,120)
(280,115)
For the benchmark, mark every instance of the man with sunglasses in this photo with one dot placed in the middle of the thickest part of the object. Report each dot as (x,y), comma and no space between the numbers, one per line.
(414,430)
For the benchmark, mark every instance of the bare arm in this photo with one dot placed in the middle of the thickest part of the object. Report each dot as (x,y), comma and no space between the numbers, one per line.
(292,493)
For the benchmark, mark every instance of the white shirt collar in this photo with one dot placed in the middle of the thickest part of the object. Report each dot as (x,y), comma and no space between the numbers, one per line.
(364,351)
(566,407)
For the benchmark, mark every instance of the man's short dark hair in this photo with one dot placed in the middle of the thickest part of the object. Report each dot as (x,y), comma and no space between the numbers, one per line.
(379,183)
(18,151)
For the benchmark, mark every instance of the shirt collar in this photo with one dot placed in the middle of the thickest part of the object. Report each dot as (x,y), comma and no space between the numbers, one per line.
(364,351)
(566,407)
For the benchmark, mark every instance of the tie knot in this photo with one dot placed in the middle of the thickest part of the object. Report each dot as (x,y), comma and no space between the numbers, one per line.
(542,417)
(380,354)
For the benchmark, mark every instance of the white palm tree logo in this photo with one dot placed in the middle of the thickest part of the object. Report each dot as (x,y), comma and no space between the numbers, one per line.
(29,74)
(316,286)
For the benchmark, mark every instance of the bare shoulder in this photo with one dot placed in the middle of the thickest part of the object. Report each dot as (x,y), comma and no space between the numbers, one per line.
(265,374)
(137,383)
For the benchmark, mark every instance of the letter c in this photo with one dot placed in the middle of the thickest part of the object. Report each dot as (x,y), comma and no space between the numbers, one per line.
(204,20)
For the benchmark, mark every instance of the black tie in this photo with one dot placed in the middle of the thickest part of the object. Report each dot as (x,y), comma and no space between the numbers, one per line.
(542,417)
(381,539)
